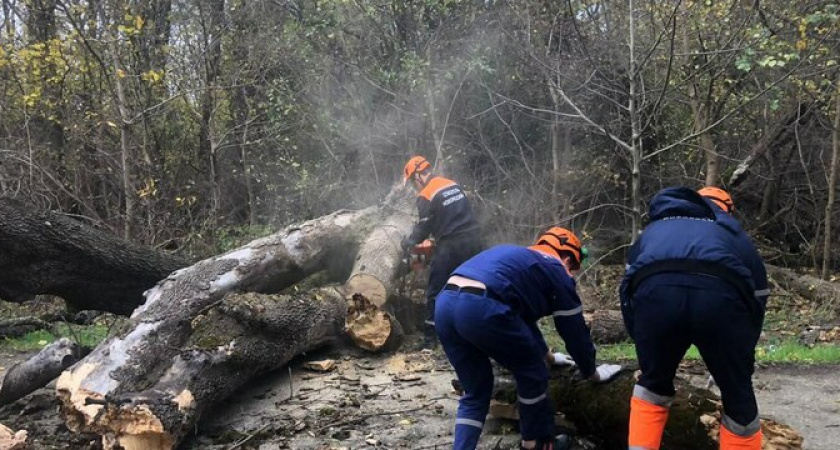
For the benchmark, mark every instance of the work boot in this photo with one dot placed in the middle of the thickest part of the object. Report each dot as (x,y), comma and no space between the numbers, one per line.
(559,442)
(430,339)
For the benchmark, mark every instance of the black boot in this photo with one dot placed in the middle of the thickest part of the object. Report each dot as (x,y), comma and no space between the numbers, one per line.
(559,442)
(430,339)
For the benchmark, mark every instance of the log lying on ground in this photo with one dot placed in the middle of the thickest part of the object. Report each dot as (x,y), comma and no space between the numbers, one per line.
(602,412)
(372,287)
(36,372)
(18,326)
(606,326)
(375,273)
(813,288)
(150,350)
(48,253)
(244,336)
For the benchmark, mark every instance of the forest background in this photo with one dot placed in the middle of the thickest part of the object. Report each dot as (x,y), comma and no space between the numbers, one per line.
(195,125)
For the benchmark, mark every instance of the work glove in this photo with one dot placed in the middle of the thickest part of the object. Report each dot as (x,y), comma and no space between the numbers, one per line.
(606,372)
(561,359)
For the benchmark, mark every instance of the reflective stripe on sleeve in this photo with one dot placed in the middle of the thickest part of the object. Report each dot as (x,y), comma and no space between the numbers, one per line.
(568,312)
(649,396)
(470,422)
(531,401)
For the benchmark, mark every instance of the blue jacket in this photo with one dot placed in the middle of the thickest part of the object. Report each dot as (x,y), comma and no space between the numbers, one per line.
(687,230)
(535,285)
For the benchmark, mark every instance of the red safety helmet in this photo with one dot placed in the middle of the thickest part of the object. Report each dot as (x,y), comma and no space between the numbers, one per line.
(561,239)
(415,165)
(719,196)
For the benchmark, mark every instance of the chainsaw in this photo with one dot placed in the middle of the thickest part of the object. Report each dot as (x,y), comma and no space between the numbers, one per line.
(420,255)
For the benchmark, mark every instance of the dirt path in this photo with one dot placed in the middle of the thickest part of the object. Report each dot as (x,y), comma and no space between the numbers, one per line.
(402,401)
(807,398)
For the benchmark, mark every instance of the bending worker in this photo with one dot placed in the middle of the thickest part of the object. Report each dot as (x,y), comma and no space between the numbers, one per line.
(694,277)
(445,213)
(489,309)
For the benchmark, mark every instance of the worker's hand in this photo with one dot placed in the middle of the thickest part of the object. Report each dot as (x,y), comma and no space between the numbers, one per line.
(561,359)
(605,372)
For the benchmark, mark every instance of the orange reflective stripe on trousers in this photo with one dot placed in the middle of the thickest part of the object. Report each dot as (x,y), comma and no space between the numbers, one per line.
(731,441)
(647,422)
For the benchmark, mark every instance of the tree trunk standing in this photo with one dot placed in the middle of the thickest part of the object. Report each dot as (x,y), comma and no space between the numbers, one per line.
(151,351)
(245,336)
(121,111)
(832,183)
(635,140)
(48,253)
(207,134)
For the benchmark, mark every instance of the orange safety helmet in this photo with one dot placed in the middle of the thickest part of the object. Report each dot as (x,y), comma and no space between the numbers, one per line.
(561,239)
(414,166)
(719,196)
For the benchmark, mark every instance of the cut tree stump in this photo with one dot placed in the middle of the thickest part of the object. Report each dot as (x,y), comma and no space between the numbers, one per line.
(152,351)
(34,373)
(48,253)
(601,412)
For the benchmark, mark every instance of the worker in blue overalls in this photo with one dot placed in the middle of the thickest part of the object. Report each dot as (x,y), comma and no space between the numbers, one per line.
(489,310)
(694,277)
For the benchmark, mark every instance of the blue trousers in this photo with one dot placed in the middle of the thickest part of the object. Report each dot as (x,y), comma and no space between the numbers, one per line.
(674,310)
(472,330)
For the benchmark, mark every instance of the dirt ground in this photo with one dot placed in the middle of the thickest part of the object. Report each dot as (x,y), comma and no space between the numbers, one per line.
(404,400)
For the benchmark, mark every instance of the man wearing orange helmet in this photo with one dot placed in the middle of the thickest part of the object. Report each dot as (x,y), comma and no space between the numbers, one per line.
(694,277)
(489,310)
(446,214)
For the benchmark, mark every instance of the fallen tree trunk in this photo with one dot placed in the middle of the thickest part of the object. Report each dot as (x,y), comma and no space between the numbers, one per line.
(244,336)
(377,267)
(18,326)
(36,372)
(818,290)
(150,350)
(371,288)
(602,412)
(48,253)
(606,326)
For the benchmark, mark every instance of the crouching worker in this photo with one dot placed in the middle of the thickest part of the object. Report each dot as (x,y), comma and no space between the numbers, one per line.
(693,277)
(489,310)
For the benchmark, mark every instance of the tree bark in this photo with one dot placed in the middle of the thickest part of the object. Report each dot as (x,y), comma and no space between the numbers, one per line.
(816,290)
(606,326)
(48,253)
(602,412)
(36,372)
(247,335)
(156,348)
(373,282)
(832,184)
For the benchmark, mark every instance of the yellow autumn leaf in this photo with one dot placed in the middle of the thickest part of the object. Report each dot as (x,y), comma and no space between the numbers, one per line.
(801,44)
(120,73)
(138,22)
